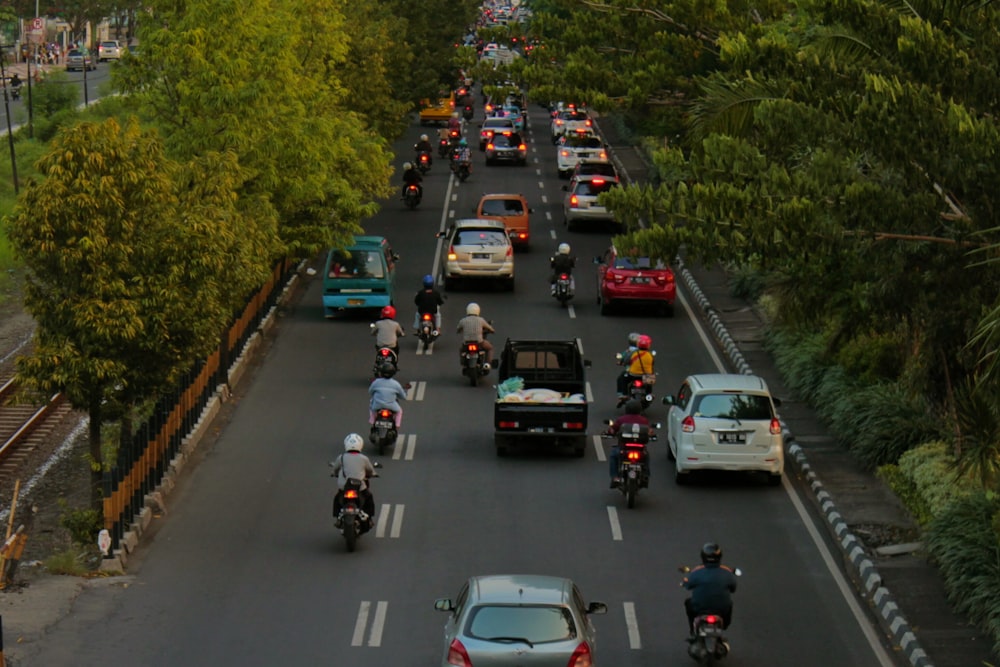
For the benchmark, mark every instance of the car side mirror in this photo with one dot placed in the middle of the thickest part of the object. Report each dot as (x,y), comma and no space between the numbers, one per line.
(440,235)
(669,400)
(531,210)
(597,608)
(444,604)
(395,257)
(777,401)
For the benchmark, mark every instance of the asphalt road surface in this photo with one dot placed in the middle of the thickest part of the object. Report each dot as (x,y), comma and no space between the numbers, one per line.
(248,570)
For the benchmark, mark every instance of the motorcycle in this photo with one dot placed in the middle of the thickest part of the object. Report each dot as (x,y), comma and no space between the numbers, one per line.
(463,170)
(424,161)
(444,145)
(383,432)
(563,288)
(708,645)
(427,333)
(633,457)
(467,112)
(352,520)
(474,364)
(383,355)
(638,388)
(411,196)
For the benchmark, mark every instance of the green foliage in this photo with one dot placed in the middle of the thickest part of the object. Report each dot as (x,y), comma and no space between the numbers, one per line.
(83,524)
(69,562)
(924,480)
(54,95)
(978,416)
(964,543)
(906,490)
(746,282)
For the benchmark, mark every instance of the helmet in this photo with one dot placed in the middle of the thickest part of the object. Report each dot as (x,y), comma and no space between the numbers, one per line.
(423,137)
(388,313)
(387,370)
(633,339)
(711,553)
(407,166)
(463,142)
(563,248)
(472,309)
(428,281)
(633,407)
(644,342)
(353,443)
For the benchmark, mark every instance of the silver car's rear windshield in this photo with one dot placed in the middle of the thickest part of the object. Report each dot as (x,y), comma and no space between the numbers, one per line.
(732,406)
(536,623)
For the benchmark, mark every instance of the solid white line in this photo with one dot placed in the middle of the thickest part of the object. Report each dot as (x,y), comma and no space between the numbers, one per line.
(572,311)
(359,625)
(845,590)
(383,519)
(634,642)
(411,445)
(616,527)
(598,448)
(421,388)
(590,394)
(378,624)
(397,521)
(441,227)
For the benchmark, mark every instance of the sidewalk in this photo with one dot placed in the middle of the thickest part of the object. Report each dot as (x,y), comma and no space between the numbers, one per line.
(904,591)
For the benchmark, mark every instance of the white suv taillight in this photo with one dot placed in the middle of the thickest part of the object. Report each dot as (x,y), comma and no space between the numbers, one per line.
(457,655)
(775,427)
(688,424)
(581,657)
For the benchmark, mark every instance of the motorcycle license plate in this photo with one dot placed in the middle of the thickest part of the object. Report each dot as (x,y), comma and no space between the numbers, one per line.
(355,302)
(632,474)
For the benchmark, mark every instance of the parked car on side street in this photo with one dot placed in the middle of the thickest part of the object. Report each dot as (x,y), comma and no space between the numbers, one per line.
(80,59)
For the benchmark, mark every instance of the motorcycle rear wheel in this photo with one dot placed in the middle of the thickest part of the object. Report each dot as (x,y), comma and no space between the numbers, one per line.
(351,534)
(631,490)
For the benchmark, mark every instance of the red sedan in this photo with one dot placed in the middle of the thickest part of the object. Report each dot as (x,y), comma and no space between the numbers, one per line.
(642,281)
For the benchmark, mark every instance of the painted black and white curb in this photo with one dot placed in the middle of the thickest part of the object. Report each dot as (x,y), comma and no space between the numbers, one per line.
(868,579)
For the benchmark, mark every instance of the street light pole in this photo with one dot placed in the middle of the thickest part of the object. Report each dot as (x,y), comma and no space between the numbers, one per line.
(10,130)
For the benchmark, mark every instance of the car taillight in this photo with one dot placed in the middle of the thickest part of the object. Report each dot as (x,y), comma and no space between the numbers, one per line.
(574,426)
(351,493)
(558,122)
(588,123)
(574,201)
(564,153)
(581,657)
(522,147)
(618,278)
(510,251)
(604,155)
(633,455)
(452,256)
(489,147)
(457,655)
(688,424)
(775,427)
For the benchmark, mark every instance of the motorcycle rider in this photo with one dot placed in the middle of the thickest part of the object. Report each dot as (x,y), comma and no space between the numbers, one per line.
(424,146)
(454,123)
(387,331)
(639,362)
(633,415)
(352,464)
(386,392)
(411,175)
(428,300)
(711,585)
(15,84)
(461,155)
(474,329)
(562,262)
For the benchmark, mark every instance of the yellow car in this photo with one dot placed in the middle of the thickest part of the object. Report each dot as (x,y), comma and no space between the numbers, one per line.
(438,112)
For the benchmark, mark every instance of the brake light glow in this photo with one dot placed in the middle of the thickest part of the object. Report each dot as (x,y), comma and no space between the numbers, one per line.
(508,424)
(633,454)
(489,147)
(559,121)
(563,276)
(457,655)
(637,383)
(351,493)
(597,181)
(472,347)
(574,426)
(581,657)
(588,123)
(775,427)
(574,201)
(426,317)
(384,352)
(385,413)
(711,619)
(452,255)
(687,425)
(522,147)
(603,155)
(564,153)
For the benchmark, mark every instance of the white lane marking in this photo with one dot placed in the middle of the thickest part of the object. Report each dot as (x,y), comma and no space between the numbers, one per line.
(451,214)
(579,342)
(421,387)
(552,233)
(572,311)
(541,186)
(411,445)
(359,625)
(598,448)
(454,197)
(616,527)
(397,521)
(378,624)
(545,200)
(846,591)
(441,227)
(634,642)
(538,172)
(548,216)
(383,519)
(407,443)
(590,393)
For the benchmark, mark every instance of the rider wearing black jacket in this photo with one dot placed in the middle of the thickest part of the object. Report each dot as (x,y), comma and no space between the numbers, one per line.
(711,586)
(412,175)
(428,300)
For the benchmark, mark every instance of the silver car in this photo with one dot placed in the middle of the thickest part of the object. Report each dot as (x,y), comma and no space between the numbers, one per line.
(478,248)
(521,619)
(80,59)
(580,202)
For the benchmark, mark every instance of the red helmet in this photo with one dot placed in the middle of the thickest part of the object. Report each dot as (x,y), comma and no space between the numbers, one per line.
(644,343)
(388,313)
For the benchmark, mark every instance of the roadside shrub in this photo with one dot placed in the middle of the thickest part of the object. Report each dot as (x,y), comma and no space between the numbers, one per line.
(83,524)
(925,481)
(71,562)
(963,542)
(796,355)
(746,282)
(55,94)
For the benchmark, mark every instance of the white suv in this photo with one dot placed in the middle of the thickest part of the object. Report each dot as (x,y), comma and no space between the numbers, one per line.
(109,50)
(725,422)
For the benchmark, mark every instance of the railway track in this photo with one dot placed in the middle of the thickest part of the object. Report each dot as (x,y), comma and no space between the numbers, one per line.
(25,427)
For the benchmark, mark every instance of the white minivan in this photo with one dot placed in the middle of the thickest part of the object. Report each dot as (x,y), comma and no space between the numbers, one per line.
(720,421)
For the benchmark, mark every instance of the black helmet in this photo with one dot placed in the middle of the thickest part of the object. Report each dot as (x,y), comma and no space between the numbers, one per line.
(387,370)
(633,407)
(711,553)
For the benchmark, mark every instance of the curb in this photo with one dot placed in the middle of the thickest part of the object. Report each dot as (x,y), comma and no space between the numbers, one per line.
(868,581)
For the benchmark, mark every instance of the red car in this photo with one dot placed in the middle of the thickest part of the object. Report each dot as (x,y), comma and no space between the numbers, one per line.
(643,281)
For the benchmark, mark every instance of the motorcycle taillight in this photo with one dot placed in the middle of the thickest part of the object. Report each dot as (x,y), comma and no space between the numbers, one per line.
(633,455)
(711,619)
(351,494)
(637,383)
(472,348)
(384,352)
(385,414)
(563,277)
(426,317)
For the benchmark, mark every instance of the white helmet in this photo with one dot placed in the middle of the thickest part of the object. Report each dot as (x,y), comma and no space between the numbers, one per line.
(563,248)
(423,137)
(407,166)
(472,309)
(353,443)
(633,339)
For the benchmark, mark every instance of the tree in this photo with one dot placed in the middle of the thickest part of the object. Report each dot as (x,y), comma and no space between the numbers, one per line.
(129,260)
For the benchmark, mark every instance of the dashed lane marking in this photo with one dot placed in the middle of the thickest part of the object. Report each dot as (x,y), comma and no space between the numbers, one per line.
(598,448)
(616,526)
(634,642)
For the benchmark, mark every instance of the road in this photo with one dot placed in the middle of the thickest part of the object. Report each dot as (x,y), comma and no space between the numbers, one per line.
(98,85)
(247,570)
